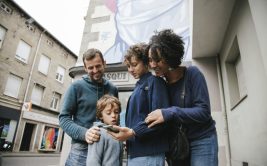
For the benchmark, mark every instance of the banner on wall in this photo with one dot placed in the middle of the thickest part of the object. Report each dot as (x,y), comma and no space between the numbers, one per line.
(134,21)
(49,139)
(27,106)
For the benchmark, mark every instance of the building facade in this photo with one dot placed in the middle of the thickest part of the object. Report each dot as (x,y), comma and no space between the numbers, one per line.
(228,41)
(231,36)
(34,76)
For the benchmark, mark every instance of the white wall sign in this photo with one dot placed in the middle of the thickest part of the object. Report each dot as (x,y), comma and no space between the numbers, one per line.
(117,76)
(39,117)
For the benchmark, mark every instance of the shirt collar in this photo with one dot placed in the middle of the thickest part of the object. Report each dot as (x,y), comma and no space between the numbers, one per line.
(143,78)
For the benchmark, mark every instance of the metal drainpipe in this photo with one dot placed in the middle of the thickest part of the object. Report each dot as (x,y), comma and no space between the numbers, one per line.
(224,109)
(17,145)
(33,64)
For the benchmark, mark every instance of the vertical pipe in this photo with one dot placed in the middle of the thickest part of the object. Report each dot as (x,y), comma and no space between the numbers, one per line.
(27,88)
(33,64)
(228,147)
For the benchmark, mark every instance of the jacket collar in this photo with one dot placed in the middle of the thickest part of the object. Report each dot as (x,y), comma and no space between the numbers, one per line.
(143,78)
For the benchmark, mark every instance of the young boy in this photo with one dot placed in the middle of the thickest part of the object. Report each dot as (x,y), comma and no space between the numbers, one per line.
(107,151)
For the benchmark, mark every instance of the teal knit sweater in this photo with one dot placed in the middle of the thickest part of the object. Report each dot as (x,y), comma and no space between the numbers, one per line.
(78,111)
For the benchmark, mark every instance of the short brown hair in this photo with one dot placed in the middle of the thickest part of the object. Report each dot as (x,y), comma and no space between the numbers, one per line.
(139,51)
(103,102)
(91,53)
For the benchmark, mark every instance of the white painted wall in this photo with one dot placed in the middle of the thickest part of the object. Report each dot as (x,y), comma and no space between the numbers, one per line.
(259,13)
(247,122)
(209,68)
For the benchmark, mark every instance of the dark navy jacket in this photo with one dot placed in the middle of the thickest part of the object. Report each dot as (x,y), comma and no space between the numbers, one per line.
(196,115)
(149,94)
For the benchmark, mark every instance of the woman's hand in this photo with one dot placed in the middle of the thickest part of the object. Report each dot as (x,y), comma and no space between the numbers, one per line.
(92,135)
(155,117)
(123,134)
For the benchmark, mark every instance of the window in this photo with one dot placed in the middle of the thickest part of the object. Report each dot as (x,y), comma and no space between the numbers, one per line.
(28,136)
(7,132)
(4,7)
(240,78)
(55,101)
(50,43)
(31,27)
(236,76)
(13,86)
(60,74)
(37,94)
(2,35)
(44,64)
(23,51)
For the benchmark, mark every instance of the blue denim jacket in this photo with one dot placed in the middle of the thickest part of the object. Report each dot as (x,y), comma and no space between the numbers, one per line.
(149,94)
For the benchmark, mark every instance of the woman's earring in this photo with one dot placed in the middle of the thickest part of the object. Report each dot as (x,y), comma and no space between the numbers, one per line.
(170,69)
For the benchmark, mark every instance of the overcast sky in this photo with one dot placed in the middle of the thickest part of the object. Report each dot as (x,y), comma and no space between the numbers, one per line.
(62,18)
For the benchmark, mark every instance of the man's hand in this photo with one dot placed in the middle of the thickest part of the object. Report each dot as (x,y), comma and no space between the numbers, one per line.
(123,134)
(155,117)
(92,135)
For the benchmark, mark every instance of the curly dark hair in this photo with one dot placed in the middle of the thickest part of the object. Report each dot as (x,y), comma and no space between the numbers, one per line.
(139,51)
(167,45)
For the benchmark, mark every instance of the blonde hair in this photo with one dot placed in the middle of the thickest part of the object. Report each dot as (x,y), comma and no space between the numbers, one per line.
(103,102)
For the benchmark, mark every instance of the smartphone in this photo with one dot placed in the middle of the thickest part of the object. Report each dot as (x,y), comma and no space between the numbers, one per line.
(110,128)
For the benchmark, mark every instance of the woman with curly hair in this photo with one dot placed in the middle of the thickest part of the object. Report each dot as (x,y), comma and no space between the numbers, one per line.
(190,108)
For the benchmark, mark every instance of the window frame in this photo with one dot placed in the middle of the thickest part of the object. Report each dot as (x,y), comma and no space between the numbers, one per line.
(43,61)
(8,132)
(54,97)
(234,72)
(3,31)
(20,55)
(32,139)
(6,8)
(7,91)
(58,74)
(33,91)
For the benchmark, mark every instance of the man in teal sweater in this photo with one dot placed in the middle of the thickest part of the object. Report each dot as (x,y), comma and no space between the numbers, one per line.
(79,105)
